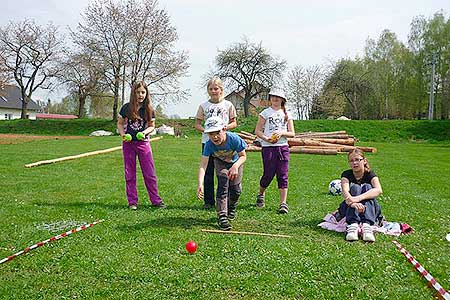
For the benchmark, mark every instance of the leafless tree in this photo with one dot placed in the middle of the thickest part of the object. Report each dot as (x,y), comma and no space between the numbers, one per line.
(250,67)
(304,85)
(134,40)
(350,80)
(30,52)
(5,76)
(149,53)
(82,74)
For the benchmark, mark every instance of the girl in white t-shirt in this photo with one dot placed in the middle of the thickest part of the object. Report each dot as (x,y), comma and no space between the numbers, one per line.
(216,106)
(274,126)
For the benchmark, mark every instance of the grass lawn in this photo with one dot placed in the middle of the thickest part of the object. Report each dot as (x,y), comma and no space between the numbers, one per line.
(140,254)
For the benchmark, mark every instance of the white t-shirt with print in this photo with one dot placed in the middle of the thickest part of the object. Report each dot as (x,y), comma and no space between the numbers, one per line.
(224,109)
(275,121)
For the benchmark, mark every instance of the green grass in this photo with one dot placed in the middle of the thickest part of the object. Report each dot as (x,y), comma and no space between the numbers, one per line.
(140,254)
(364,130)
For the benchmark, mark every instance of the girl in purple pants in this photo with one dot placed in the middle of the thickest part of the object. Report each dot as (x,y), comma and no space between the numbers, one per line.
(274,126)
(136,120)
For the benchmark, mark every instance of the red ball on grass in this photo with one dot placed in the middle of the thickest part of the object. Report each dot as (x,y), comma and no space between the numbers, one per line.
(191,246)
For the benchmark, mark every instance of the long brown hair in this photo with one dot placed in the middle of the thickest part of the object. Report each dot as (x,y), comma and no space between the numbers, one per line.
(359,152)
(283,105)
(134,105)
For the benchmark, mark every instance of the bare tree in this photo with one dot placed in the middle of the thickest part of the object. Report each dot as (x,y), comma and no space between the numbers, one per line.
(29,53)
(150,54)
(5,76)
(82,74)
(104,31)
(133,40)
(303,86)
(349,79)
(250,67)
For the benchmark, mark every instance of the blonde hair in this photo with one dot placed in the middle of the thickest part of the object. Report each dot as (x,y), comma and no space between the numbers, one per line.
(359,152)
(215,80)
(134,114)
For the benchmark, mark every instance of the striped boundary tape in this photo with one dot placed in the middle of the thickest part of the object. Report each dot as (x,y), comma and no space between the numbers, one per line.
(442,292)
(57,237)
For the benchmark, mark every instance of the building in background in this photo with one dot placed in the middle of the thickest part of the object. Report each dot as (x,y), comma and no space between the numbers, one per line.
(257,103)
(11,104)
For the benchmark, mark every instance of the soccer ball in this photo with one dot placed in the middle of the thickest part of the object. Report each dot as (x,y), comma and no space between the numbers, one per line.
(335,187)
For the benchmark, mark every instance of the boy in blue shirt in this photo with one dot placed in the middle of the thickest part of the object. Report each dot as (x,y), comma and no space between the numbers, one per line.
(228,151)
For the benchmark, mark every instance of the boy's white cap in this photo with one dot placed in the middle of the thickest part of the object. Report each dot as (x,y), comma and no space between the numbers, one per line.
(278,93)
(214,124)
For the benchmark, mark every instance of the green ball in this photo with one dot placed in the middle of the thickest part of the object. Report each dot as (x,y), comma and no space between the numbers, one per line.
(127,137)
(140,135)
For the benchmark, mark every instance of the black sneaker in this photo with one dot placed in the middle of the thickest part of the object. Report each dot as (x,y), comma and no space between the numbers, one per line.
(208,206)
(284,209)
(260,201)
(160,205)
(232,213)
(223,223)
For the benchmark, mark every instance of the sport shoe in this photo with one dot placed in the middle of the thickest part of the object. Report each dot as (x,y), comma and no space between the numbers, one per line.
(232,213)
(223,223)
(367,233)
(284,208)
(260,201)
(132,207)
(352,232)
(160,205)
(208,206)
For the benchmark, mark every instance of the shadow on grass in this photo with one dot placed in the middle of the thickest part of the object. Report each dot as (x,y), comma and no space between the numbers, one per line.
(312,225)
(170,222)
(83,204)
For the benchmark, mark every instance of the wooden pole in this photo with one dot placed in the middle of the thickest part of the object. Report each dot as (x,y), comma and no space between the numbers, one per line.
(45,162)
(246,232)
(304,150)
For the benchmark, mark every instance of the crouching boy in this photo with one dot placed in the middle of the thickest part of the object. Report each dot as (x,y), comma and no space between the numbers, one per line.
(228,151)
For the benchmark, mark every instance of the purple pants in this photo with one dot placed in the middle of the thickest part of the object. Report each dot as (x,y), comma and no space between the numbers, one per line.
(275,162)
(144,152)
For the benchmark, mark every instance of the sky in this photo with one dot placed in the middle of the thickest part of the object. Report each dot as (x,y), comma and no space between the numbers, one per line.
(302,32)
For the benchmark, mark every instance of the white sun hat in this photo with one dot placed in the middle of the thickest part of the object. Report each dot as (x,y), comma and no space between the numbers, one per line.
(277,92)
(214,124)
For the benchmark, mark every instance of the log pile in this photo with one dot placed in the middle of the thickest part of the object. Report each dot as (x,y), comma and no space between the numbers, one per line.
(324,143)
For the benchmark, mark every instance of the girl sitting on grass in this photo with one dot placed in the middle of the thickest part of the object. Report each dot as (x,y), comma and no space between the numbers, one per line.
(360,187)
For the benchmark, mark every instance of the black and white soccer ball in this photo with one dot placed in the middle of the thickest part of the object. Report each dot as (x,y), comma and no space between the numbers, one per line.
(335,188)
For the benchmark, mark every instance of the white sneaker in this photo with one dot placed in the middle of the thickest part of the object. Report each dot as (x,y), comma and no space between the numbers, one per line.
(133,207)
(367,233)
(352,232)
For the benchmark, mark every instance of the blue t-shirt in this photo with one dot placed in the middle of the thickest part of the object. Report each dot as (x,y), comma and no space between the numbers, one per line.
(227,153)
(134,126)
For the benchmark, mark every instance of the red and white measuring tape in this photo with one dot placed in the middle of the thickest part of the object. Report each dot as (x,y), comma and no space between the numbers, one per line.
(57,237)
(442,292)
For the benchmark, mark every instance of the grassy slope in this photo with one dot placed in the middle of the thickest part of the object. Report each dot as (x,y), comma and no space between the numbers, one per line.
(366,130)
(141,254)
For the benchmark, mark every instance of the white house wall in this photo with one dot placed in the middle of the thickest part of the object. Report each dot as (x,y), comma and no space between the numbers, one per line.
(11,114)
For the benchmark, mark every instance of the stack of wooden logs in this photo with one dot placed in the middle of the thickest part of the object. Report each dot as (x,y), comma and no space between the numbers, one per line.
(325,143)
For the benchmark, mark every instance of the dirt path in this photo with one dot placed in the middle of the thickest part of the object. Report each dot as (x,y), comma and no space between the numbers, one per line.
(23,138)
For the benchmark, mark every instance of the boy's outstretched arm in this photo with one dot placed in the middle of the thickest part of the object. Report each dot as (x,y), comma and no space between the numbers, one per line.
(201,176)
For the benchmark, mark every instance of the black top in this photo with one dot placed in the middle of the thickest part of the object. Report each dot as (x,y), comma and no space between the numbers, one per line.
(133,127)
(367,177)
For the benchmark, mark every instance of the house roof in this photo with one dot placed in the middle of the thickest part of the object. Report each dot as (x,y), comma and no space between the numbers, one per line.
(10,97)
(55,116)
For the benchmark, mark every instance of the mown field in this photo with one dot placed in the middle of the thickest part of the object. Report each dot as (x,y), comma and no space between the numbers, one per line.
(140,254)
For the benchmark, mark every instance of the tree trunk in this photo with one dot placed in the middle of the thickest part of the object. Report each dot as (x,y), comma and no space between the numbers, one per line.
(116,96)
(23,114)
(247,105)
(82,101)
